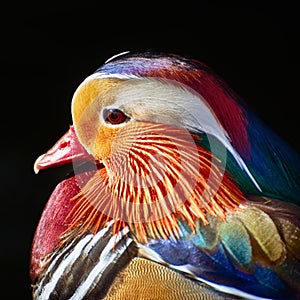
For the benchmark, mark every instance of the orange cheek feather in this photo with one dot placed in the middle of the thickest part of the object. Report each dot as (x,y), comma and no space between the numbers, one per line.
(154,175)
(103,142)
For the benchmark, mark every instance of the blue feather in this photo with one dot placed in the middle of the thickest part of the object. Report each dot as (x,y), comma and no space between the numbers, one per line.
(216,267)
(273,162)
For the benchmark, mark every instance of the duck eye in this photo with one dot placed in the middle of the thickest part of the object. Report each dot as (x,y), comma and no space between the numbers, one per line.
(114,116)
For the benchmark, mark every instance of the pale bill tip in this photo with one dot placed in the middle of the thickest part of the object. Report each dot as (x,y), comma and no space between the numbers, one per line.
(36,167)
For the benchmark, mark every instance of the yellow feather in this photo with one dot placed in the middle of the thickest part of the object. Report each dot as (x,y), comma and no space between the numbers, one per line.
(264,232)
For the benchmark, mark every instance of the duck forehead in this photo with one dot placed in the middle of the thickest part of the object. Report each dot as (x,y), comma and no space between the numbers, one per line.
(90,92)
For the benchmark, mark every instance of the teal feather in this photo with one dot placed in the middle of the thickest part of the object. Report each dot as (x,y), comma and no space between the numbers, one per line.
(233,233)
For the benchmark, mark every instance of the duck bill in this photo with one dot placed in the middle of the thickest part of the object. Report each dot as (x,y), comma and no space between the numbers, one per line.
(55,218)
(66,150)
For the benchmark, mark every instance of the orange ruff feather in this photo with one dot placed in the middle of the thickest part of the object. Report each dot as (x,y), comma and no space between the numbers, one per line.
(155,175)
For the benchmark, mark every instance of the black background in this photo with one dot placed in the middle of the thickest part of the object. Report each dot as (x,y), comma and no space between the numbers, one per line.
(47,51)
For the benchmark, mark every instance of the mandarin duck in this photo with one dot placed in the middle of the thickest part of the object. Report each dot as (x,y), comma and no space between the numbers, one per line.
(177,191)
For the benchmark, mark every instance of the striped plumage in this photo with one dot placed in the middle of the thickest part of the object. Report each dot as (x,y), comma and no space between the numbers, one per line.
(178,192)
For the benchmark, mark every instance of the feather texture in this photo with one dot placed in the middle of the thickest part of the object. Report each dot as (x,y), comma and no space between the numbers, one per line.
(253,248)
(189,195)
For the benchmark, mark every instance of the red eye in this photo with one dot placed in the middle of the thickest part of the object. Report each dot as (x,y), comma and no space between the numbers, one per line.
(114,116)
